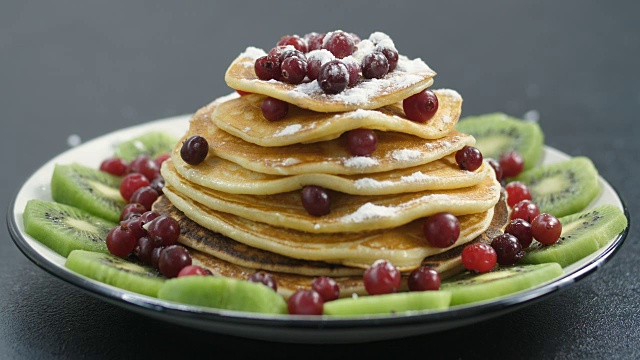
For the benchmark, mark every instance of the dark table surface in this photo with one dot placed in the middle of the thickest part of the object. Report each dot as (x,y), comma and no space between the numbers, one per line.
(88,68)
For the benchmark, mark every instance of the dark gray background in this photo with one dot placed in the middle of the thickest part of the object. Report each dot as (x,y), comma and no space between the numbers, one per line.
(89,67)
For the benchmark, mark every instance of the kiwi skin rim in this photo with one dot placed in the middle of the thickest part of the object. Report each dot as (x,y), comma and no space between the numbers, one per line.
(299,327)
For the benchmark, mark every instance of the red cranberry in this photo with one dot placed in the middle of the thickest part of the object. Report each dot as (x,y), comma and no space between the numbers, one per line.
(516,192)
(382,278)
(191,270)
(362,142)
(115,166)
(305,302)
(442,229)
(131,183)
(274,109)
(508,249)
(469,158)
(521,229)
(333,77)
(194,150)
(375,66)
(120,241)
(316,200)
(314,41)
(479,257)
(526,210)
(295,41)
(421,107)
(339,43)
(327,287)
(546,228)
(172,260)
(512,164)
(264,278)
(423,278)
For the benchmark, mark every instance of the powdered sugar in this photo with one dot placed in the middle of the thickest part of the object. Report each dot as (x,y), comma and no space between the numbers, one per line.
(368,183)
(289,130)
(406,155)
(370,211)
(360,162)
(253,53)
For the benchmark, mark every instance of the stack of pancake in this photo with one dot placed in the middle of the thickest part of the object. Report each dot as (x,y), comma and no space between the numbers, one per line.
(241,211)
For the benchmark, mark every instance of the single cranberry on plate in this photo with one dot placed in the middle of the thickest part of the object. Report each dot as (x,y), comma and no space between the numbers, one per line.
(497,168)
(192,270)
(305,302)
(382,278)
(469,158)
(546,229)
(442,229)
(526,210)
(115,166)
(264,278)
(423,278)
(327,287)
(508,249)
(145,195)
(479,257)
(516,192)
(146,166)
(172,260)
(521,229)
(131,183)
(194,150)
(120,241)
(132,208)
(144,249)
(274,109)
(421,107)
(164,230)
(512,164)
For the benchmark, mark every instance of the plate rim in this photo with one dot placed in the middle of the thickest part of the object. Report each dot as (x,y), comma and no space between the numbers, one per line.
(301,326)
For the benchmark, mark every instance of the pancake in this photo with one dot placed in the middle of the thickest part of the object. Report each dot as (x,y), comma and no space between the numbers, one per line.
(349,213)
(243,118)
(404,246)
(394,151)
(223,175)
(410,77)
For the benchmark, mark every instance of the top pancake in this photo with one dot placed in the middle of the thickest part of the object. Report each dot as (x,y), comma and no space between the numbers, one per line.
(243,118)
(410,77)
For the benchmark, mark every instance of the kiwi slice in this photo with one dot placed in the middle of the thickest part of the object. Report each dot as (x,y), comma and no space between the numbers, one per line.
(563,188)
(389,303)
(498,133)
(582,234)
(469,287)
(88,189)
(64,228)
(152,144)
(223,293)
(116,271)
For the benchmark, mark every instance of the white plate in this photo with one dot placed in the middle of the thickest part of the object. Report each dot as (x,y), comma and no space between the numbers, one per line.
(284,328)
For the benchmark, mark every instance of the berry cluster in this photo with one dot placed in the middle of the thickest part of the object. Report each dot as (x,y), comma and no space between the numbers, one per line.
(526,223)
(325,58)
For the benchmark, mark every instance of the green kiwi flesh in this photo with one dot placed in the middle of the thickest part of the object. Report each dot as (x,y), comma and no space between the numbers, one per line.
(389,303)
(115,271)
(582,234)
(498,133)
(89,189)
(64,228)
(563,188)
(223,293)
(470,287)
(152,144)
